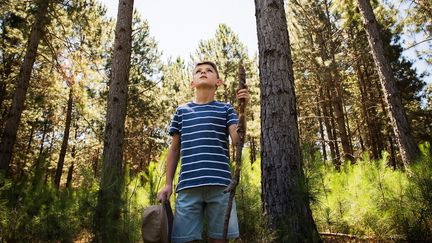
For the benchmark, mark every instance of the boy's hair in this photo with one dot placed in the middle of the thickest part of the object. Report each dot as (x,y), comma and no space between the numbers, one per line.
(209,63)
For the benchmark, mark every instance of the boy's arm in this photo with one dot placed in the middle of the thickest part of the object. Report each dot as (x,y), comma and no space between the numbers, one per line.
(172,161)
(233,134)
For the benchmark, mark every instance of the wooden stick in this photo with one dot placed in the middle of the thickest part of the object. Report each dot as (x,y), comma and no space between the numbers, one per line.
(241,130)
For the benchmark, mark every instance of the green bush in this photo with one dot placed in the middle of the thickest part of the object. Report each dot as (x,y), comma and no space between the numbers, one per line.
(34,210)
(416,220)
(371,199)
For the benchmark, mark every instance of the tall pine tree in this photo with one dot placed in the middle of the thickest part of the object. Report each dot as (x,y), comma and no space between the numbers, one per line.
(285,200)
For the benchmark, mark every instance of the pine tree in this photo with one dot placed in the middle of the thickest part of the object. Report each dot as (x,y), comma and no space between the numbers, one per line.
(144,124)
(401,127)
(283,190)
(14,117)
(108,216)
(319,72)
(226,50)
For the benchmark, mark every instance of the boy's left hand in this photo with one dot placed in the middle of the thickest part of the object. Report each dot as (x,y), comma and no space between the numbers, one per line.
(243,94)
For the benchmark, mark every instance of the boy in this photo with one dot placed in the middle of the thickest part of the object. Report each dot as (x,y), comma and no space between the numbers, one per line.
(199,133)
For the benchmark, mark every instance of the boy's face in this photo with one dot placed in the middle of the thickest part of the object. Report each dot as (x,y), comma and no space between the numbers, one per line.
(205,76)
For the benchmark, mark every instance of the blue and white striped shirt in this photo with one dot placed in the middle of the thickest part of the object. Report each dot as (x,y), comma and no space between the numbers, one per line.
(203,130)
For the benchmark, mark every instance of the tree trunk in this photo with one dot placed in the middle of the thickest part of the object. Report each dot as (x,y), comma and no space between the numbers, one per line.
(389,133)
(335,137)
(42,142)
(329,128)
(73,155)
(408,148)
(40,161)
(321,129)
(14,117)
(332,78)
(330,101)
(340,117)
(374,97)
(30,140)
(284,199)
(349,132)
(95,163)
(336,92)
(370,139)
(332,126)
(252,149)
(63,149)
(392,159)
(69,176)
(109,204)
(2,98)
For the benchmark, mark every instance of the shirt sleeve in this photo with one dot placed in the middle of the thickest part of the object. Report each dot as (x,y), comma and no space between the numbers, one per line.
(176,123)
(231,116)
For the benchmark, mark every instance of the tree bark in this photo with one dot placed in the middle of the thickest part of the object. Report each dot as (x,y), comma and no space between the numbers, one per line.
(109,205)
(63,149)
(321,129)
(42,142)
(39,163)
(407,146)
(374,97)
(2,98)
(329,129)
(364,101)
(95,163)
(253,149)
(333,80)
(73,155)
(30,140)
(14,117)
(336,92)
(285,201)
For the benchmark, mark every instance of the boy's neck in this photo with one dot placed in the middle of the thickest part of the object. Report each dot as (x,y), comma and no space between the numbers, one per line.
(204,96)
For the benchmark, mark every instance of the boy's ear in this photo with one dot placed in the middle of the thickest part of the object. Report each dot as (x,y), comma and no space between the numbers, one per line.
(219,82)
(192,84)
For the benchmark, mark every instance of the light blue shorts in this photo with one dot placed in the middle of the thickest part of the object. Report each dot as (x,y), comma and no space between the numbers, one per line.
(196,204)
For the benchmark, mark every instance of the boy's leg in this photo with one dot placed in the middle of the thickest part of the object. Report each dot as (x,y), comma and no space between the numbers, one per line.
(188,216)
(216,205)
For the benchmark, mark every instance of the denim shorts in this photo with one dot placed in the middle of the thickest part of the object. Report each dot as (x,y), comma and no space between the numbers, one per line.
(195,205)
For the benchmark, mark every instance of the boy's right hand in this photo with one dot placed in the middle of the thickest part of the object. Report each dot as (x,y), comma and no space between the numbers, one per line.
(165,194)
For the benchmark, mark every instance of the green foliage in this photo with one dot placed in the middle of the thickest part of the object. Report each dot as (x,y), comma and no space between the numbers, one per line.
(145,124)
(227,51)
(418,20)
(371,199)
(248,202)
(416,219)
(42,213)
(140,192)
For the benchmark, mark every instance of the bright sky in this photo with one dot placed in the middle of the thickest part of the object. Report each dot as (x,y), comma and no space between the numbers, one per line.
(178,26)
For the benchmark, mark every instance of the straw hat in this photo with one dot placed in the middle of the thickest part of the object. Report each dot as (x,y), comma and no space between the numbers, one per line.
(157,223)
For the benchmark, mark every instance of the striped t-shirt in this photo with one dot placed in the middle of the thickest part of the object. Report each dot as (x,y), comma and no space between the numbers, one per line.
(203,130)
